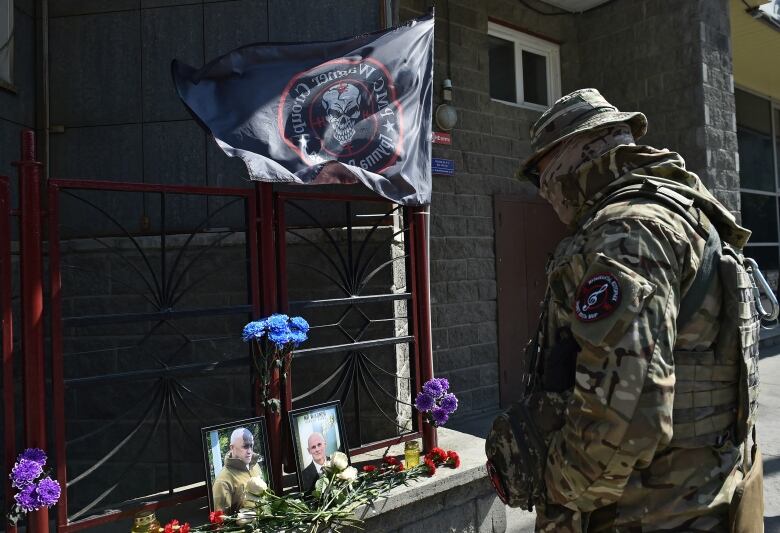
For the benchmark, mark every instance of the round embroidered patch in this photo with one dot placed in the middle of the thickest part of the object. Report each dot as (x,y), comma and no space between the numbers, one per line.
(597,297)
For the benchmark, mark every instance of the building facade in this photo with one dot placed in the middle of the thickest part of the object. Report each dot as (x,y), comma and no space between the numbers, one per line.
(93,79)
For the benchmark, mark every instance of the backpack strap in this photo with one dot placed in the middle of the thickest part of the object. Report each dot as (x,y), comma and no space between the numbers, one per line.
(681,205)
(708,267)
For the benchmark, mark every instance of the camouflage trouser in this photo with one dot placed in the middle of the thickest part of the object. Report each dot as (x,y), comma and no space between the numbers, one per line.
(558,519)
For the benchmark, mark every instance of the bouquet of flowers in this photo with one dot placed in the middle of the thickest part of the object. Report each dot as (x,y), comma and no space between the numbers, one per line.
(436,402)
(36,488)
(273,340)
(340,491)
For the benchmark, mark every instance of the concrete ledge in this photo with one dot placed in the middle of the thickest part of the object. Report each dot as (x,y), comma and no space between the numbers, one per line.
(453,500)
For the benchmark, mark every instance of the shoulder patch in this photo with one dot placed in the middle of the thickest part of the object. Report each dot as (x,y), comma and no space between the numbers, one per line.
(597,297)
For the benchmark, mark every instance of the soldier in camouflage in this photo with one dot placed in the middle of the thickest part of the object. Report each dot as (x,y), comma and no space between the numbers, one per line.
(645,433)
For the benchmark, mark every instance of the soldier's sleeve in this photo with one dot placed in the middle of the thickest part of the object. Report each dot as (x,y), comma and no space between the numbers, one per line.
(624,293)
(223,495)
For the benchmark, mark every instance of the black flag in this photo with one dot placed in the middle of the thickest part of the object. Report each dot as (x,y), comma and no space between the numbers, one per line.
(325,112)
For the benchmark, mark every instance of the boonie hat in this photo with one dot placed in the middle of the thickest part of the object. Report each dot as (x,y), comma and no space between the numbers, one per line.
(581,110)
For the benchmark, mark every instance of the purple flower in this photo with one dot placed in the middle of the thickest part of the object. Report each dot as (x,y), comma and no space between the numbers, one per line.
(433,388)
(254,330)
(443,383)
(48,492)
(440,416)
(35,455)
(25,472)
(27,499)
(449,403)
(424,402)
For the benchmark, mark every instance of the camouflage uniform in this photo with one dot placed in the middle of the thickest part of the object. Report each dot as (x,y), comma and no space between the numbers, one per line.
(613,465)
(229,486)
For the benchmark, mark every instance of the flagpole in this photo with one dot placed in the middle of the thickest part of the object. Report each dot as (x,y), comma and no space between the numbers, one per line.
(422,268)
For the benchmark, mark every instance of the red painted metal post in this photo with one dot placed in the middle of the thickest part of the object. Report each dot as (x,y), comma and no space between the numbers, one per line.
(6,329)
(422,273)
(265,231)
(31,267)
(288,457)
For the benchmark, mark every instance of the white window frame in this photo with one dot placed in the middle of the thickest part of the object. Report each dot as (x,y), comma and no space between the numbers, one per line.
(549,50)
(7,44)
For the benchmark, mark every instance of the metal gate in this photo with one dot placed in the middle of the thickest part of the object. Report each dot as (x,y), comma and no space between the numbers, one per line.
(132,341)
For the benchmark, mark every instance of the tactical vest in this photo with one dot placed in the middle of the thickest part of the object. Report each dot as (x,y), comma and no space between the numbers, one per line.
(716,391)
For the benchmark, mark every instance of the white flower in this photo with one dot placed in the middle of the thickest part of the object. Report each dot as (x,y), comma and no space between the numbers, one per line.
(245,517)
(340,461)
(348,474)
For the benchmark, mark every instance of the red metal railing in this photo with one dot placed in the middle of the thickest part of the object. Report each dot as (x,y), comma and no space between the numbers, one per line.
(266,256)
(31,268)
(420,320)
(55,187)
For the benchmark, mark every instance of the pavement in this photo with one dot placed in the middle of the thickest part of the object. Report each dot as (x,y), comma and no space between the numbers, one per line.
(768,428)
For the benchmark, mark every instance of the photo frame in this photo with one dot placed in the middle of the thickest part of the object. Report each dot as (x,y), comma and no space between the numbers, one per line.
(216,442)
(325,423)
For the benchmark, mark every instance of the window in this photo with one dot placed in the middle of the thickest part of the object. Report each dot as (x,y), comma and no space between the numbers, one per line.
(6,42)
(524,69)
(758,137)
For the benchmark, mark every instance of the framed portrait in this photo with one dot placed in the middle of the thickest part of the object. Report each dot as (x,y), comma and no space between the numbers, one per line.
(317,433)
(232,453)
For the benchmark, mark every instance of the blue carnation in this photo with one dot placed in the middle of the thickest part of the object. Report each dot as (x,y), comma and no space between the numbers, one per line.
(254,330)
(449,403)
(440,416)
(280,337)
(424,402)
(300,324)
(433,388)
(277,323)
(298,337)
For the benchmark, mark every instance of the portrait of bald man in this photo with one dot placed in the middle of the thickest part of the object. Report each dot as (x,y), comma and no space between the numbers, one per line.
(240,464)
(316,446)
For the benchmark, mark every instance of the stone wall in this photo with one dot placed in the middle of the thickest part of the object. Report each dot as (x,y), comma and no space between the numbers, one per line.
(623,48)
(112,93)
(487,143)
(17,105)
(460,500)
(684,83)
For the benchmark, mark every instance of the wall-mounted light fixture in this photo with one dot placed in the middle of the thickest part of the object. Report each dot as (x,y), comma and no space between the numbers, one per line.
(446,115)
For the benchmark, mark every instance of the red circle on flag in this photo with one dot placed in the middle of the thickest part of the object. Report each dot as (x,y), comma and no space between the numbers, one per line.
(344,110)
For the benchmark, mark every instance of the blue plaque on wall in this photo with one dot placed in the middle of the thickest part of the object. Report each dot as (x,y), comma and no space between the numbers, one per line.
(442,167)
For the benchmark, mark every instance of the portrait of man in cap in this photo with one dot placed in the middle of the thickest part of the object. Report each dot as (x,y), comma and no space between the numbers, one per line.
(234,453)
(638,355)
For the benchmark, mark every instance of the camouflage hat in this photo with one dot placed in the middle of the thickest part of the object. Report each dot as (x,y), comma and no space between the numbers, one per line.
(581,110)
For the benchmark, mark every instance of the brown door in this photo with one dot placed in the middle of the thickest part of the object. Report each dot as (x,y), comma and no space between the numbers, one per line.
(527,231)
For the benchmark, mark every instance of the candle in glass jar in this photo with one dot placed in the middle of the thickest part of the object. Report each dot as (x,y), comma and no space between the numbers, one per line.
(412,453)
(145,522)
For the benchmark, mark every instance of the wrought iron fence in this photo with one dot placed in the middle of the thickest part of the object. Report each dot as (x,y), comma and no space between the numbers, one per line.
(347,266)
(144,309)
(146,324)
